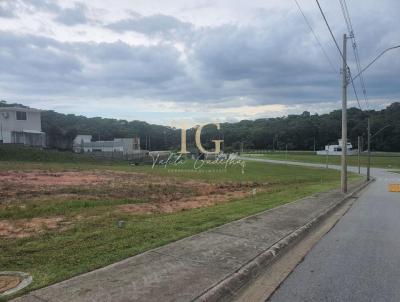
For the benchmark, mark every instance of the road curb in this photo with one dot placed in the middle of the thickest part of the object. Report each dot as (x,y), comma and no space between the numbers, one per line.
(227,288)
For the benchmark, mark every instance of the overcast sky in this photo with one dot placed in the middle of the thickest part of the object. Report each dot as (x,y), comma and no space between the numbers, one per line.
(199,60)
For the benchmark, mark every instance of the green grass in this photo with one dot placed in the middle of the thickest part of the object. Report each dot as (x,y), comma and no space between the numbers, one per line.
(9,152)
(378,159)
(96,241)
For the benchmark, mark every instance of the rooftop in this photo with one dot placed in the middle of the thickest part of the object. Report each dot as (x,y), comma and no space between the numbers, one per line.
(19,109)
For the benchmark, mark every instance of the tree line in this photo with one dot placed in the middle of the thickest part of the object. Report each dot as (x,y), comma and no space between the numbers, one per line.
(296,132)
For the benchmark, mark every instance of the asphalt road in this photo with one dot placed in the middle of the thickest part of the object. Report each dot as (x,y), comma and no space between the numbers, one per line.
(359,259)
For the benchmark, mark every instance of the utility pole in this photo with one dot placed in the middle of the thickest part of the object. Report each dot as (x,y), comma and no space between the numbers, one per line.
(327,157)
(370,137)
(286,154)
(359,154)
(369,150)
(343,174)
(1,131)
(314,143)
(362,143)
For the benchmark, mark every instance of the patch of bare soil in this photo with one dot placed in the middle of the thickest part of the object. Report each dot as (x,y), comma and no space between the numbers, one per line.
(183,203)
(204,195)
(22,228)
(149,193)
(18,183)
(43,178)
(8,282)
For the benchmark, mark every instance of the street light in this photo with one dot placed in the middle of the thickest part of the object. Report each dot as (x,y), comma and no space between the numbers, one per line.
(374,60)
(379,131)
(369,119)
(344,115)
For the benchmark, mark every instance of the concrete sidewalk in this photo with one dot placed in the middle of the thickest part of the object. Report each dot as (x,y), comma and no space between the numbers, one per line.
(187,269)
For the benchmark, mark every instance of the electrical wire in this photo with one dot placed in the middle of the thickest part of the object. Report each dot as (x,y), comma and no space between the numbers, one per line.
(340,52)
(315,36)
(349,25)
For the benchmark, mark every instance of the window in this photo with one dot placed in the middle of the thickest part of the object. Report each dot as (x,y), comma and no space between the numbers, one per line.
(21,116)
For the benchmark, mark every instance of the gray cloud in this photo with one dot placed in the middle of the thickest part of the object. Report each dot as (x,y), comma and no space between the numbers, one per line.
(217,66)
(151,25)
(268,65)
(34,6)
(8,9)
(70,16)
(37,65)
(73,16)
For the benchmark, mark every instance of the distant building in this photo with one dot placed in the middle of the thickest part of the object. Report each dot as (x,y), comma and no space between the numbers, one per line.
(337,149)
(78,142)
(21,126)
(125,146)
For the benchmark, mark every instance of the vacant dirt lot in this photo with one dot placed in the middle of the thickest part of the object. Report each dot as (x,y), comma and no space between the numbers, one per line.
(30,185)
(142,194)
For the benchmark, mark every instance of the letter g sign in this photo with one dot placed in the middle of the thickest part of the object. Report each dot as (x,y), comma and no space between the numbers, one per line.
(217,142)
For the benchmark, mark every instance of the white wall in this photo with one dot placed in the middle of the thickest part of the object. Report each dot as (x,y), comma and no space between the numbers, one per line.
(82,138)
(7,125)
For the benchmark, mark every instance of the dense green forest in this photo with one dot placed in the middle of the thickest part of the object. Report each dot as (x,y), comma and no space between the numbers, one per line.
(298,132)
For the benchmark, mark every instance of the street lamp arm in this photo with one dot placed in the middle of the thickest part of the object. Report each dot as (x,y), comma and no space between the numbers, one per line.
(379,131)
(374,60)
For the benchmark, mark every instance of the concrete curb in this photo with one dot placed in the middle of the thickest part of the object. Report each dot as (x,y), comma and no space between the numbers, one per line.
(26,280)
(226,289)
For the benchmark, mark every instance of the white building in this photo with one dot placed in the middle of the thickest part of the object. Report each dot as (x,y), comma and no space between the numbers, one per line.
(337,149)
(79,141)
(21,126)
(126,146)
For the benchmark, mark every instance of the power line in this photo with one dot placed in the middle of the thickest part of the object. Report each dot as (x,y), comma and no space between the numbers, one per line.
(329,28)
(315,36)
(346,16)
(340,52)
(349,25)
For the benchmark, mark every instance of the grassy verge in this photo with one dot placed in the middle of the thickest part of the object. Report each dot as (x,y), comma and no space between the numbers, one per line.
(378,160)
(20,153)
(94,240)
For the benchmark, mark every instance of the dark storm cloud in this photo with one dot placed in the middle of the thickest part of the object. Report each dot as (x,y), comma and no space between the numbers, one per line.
(150,25)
